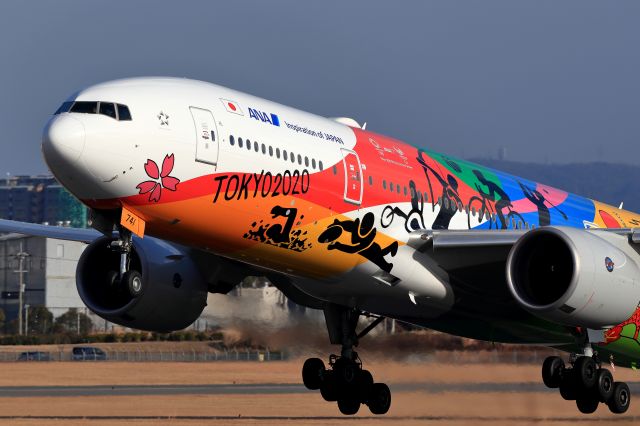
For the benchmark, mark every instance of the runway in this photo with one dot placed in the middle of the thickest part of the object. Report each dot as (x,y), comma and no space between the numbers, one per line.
(262,389)
(187,394)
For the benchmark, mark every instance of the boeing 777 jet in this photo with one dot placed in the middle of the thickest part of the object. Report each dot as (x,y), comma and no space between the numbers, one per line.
(193,186)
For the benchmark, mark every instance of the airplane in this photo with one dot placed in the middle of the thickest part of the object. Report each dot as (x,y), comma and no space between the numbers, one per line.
(193,186)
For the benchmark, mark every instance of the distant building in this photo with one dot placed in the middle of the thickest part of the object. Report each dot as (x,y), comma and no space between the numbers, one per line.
(40,199)
(50,274)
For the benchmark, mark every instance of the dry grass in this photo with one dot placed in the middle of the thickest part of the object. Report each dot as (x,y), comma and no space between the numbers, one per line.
(460,408)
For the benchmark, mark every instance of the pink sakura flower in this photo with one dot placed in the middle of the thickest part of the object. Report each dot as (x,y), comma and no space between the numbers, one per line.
(153,187)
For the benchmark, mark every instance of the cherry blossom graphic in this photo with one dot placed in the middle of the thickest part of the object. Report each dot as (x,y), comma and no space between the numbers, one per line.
(162,178)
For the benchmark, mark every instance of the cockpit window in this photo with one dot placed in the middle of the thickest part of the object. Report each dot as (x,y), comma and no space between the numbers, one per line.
(108,109)
(116,111)
(65,107)
(85,107)
(123,113)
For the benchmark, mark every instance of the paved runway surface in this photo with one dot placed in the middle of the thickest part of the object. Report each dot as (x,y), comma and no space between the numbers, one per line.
(260,389)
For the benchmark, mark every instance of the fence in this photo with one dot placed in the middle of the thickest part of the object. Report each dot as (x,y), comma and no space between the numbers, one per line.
(147,356)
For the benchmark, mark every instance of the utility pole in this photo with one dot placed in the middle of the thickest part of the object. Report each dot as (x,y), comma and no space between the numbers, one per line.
(26,320)
(22,255)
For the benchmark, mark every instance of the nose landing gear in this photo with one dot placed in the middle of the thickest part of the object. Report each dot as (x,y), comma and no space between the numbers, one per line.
(125,279)
(587,383)
(345,381)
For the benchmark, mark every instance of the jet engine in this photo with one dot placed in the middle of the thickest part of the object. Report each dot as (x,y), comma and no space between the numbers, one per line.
(173,292)
(574,276)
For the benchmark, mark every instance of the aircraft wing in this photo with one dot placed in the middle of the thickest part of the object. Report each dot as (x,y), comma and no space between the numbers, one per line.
(61,233)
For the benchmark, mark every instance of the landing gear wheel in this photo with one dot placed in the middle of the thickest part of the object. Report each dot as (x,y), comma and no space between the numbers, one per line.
(379,398)
(346,370)
(329,387)
(621,398)
(312,372)
(348,406)
(365,383)
(552,371)
(587,404)
(567,386)
(112,279)
(585,371)
(132,282)
(604,385)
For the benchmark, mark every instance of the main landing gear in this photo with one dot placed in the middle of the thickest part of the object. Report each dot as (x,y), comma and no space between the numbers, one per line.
(125,280)
(345,381)
(587,383)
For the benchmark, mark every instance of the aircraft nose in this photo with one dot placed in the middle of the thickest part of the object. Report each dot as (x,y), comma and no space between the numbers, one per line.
(63,140)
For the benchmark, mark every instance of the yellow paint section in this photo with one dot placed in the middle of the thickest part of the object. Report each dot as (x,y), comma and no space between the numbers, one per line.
(607,216)
(222,228)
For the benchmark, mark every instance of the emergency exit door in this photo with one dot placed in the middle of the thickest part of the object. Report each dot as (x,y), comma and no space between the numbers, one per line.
(207,139)
(352,177)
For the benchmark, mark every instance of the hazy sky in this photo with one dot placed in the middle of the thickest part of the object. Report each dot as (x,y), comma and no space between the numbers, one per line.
(550,80)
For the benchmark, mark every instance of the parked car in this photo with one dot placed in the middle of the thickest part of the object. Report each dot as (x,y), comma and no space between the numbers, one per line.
(88,353)
(34,356)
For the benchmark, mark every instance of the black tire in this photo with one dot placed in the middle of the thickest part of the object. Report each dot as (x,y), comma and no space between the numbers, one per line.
(585,371)
(347,371)
(604,385)
(621,398)
(365,383)
(348,406)
(587,404)
(112,280)
(312,373)
(568,386)
(329,387)
(552,371)
(132,283)
(379,398)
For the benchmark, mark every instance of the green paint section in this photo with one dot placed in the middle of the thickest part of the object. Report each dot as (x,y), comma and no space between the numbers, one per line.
(465,174)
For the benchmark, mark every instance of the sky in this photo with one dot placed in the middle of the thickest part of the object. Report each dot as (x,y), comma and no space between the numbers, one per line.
(550,81)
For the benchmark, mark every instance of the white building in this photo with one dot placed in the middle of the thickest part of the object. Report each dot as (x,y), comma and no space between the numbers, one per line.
(49,267)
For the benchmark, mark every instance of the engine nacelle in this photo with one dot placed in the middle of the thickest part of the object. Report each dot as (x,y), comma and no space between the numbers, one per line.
(173,295)
(574,276)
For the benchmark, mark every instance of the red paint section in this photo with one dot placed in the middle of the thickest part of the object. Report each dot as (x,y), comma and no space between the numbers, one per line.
(608,220)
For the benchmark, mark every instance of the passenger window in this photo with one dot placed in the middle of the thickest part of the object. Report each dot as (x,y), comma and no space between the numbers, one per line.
(65,107)
(405,190)
(85,107)
(306,161)
(270,151)
(248,145)
(299,159)
(232,141)
(370,180)
(320,166)
(397,188)
(384,184)
(284,155)
(264,149)
(313,163)
(335,170)
(239,142)
(108,109)
(123,113)
(293,157)
(277,152)
(256,147)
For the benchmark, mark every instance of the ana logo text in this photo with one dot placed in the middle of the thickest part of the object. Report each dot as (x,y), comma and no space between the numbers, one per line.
(264,117)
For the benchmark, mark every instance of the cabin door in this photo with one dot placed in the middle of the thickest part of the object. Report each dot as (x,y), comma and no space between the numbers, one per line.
(207,138)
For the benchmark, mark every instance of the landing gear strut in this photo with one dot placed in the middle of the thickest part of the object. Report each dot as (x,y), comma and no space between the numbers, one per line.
(345,381)
(586,382)
(126,279)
